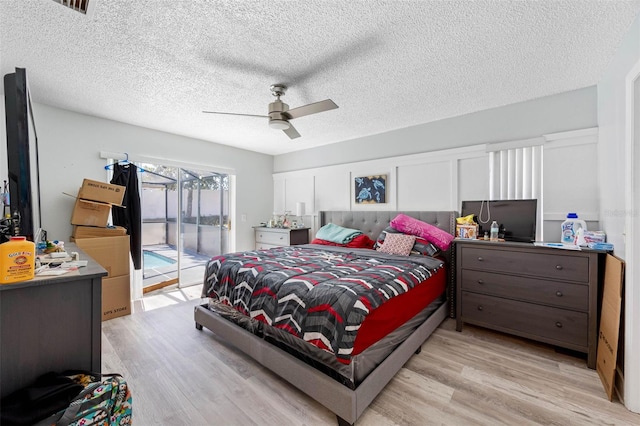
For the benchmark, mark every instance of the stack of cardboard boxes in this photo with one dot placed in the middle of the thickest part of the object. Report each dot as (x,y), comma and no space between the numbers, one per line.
(109,246)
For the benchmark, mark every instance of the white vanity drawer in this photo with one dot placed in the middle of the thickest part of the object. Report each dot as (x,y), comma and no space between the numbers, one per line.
(272,237)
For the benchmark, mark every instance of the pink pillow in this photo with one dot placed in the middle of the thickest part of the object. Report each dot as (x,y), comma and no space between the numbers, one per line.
(399,244)
(433,234)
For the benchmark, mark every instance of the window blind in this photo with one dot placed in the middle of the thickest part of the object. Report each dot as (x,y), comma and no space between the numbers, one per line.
(515,173)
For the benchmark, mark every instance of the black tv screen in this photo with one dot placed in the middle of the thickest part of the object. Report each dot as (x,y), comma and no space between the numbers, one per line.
(22,154)
(516,218)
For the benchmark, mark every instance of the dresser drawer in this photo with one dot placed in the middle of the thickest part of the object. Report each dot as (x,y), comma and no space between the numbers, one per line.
(561,267)
(547,324)
(263,246)
(555,293)
(273,238)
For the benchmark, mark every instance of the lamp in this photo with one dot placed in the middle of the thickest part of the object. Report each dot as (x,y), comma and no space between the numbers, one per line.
(279,124)
(300,213)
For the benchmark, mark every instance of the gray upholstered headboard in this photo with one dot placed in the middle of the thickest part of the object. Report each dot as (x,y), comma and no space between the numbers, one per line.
(373,222)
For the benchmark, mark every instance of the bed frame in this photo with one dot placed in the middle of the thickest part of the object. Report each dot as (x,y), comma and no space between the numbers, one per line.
(348,404)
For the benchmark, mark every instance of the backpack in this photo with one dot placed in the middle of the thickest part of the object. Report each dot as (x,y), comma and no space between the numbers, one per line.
(105,402)
(48,394)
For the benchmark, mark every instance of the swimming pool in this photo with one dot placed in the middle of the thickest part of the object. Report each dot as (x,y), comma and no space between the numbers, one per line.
(154,260)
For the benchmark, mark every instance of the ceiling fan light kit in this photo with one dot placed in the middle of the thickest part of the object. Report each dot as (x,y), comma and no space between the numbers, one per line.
(279,124)
(280,114)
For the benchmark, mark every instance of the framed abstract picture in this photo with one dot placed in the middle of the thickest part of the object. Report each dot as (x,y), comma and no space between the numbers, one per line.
(370,189)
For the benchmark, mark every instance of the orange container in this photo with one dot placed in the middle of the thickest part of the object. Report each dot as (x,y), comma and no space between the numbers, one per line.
(17,260)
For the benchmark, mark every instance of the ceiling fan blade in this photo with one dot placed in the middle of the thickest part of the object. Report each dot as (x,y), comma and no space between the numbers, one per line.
(313,108)
(292,132)
(233,113)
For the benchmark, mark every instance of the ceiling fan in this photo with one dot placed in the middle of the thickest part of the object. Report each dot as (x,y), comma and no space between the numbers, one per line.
(280,114)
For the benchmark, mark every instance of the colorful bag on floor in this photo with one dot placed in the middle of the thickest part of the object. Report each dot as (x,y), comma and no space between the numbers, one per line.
(102,403)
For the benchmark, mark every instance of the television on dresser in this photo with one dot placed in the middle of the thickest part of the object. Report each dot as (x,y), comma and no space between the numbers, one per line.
(517,218)
(22,156)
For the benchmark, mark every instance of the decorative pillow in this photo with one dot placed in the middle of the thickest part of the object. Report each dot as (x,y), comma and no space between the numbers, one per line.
(420,247)
(336,233)
(399,244)
(383,234)
(423,247)
(433,234)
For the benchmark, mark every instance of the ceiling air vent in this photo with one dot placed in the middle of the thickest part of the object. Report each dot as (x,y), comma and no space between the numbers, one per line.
(82,6)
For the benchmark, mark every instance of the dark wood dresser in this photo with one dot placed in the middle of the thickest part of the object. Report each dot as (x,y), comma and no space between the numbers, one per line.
(51,323)
(544,294)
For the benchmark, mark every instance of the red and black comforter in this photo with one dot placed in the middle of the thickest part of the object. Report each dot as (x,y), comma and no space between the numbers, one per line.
(319,294)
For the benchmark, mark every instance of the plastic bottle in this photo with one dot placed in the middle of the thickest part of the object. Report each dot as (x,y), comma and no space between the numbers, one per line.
(580,241)
(17,260)
(570,228)
(494,231)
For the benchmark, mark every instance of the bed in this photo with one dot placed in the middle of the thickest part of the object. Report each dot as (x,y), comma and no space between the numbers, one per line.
(344,374)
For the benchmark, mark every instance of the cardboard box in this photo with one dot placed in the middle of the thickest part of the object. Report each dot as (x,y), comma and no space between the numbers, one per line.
(610,323)
(90,213)
(101,191)
(112,253)
(467,232)
(116,297)
(595,237)
(95,231)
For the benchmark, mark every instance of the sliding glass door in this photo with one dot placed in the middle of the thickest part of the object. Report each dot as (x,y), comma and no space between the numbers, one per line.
(184,223)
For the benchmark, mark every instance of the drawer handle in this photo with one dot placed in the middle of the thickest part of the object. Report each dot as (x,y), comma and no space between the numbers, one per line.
(559,293)
(559,324)
(282,238)
(558,267)
(480,307)
(480,259)
(480,282)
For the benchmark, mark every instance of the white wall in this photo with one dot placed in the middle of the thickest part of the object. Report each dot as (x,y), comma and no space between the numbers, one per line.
(70,144)
(616,206)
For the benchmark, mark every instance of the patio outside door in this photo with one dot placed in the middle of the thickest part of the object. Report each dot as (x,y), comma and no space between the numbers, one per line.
(184,223)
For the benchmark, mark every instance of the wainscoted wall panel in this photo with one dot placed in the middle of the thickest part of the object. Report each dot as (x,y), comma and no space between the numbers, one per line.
(332,191)
(299,189)
(427,186)
(473,179)
(279,194)
(427,181)
(440,180)
(570,179)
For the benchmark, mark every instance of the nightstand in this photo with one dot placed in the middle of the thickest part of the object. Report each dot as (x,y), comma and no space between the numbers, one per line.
(544,294)
(267,238)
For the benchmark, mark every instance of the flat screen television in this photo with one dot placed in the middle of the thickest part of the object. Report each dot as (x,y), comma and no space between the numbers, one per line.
(517,218)
(22,154)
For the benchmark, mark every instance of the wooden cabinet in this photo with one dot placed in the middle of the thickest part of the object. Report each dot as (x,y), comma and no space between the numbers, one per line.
(267,238)
(544,294)
(51,324)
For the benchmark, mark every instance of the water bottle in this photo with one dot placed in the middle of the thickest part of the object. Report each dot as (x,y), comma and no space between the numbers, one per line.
(494,231)
(570,228)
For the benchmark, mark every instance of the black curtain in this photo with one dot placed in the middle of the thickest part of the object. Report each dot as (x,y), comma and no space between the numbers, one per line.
(129,217)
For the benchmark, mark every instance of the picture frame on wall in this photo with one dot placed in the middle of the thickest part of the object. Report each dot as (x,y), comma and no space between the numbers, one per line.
(370,189)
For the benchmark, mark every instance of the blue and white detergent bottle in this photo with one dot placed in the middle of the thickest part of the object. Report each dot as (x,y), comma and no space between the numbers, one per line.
(570,228)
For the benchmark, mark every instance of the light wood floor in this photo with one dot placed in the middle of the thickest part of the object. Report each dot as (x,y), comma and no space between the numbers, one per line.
(182,376)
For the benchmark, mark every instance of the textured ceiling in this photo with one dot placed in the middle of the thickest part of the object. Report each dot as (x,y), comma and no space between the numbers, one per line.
(387,64)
